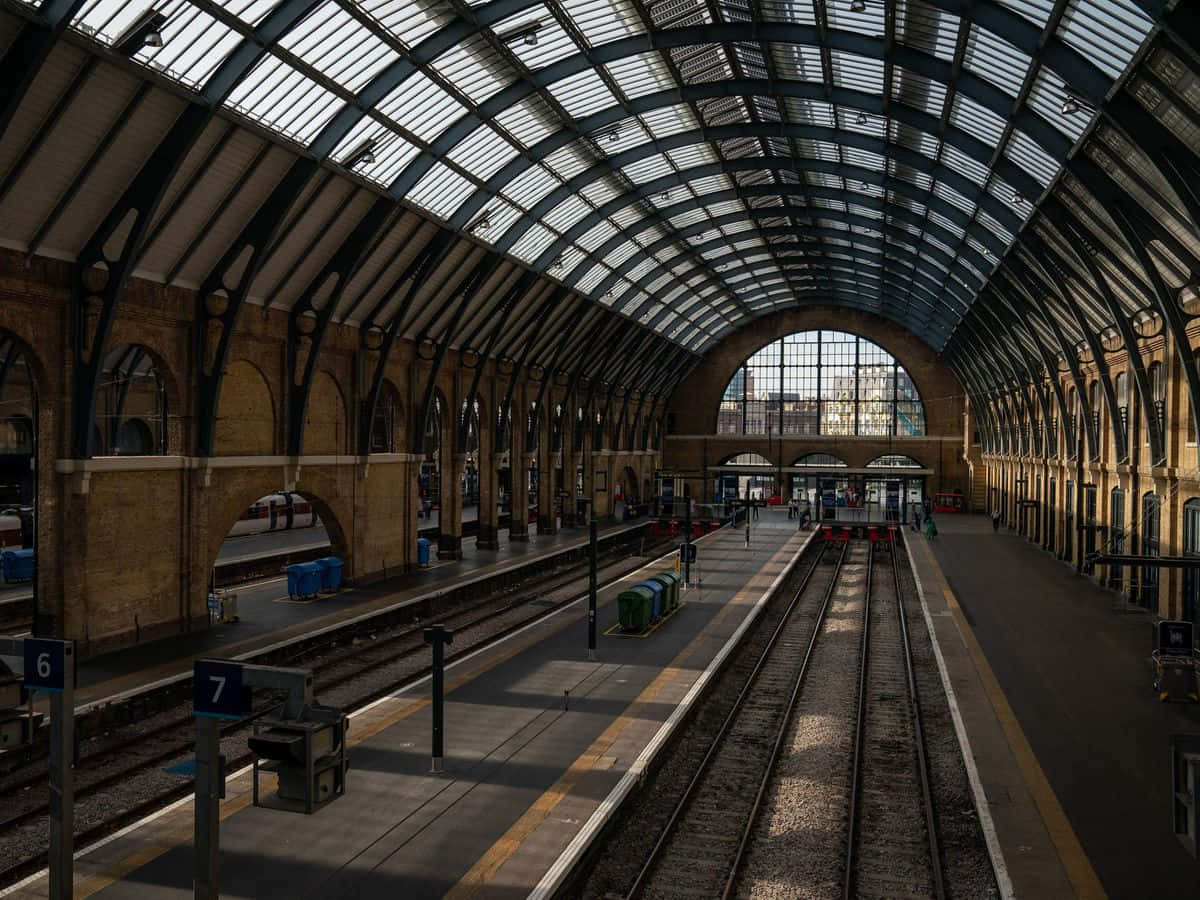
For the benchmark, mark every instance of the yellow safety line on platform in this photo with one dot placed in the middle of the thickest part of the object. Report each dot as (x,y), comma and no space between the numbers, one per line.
(156,848)
(512,840)
(1066,843)
(614,630)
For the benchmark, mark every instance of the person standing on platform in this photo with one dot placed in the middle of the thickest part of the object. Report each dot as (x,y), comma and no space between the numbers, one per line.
(995,520)
(916,518)
(930,528)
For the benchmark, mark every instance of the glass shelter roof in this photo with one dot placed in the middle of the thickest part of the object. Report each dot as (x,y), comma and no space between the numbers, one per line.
(688,164)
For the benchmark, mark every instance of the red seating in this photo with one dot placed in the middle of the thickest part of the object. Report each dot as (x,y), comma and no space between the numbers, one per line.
(827,533)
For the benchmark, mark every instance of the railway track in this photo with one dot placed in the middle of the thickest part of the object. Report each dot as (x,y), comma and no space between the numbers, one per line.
(816,784)
(124,778)
(705,836)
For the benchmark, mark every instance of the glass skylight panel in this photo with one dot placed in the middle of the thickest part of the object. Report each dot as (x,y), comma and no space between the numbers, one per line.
(529,121)
(644,170)
(628,216)
(338,46)
(421,106)
(856,157)
(566,213)
(532,244)
(914,139)
(938,219)
(669,120)
(994,226)
(859,72)
(592,278)
(797,62)
(1107,32)
(658,282)
(411,20)
(475,69)
(965,165)
(866,212)
(691,156)
(441,190)
(619,137)
(482,153)
(950,195)
(826,150)
(194,44)
(105,20)
(642,269)
(583,94)
(392,153)
(937,242)
(804,111)
(978,122)
(927,28)
(602,21)
(641,74)
(250,11)
(1030,157)
(530,186)
(568,161)
(690,217)
(284,99)
(996,60)
(597,236)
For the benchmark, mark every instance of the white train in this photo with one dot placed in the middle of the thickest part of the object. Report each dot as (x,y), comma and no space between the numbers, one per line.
(10,530)
(276,512)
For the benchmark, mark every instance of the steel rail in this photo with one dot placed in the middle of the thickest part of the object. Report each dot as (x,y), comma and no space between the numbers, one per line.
(689,792)
(864,648)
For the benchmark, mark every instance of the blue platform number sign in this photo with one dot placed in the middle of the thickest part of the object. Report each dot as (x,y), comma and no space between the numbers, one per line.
(218,691)
(45,664)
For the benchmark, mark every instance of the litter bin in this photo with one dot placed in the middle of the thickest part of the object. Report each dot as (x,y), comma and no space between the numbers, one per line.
(670,583)
(304,580)
(633,608)
(423,546)
(656,600)
(331,572)
(17,565)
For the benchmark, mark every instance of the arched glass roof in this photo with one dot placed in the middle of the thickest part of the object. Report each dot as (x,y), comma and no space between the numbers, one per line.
(689,164)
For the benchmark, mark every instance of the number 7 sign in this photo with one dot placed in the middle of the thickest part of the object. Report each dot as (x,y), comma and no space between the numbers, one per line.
(218,691)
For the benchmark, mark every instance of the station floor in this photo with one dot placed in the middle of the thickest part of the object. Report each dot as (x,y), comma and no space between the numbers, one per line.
(1072,690)
(267,615)
(526,767)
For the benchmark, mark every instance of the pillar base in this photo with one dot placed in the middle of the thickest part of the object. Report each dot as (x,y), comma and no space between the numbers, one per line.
(449,546)
(546,525)
(518,535)
(488,538)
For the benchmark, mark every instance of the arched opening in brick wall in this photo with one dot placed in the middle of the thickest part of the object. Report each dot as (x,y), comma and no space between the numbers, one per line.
(267,533)
(132,405)
(18,482)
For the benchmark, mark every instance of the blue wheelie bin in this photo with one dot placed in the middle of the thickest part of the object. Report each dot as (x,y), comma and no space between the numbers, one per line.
(656,601)
(331,572)
(17,565)
(304,580)
(423,546)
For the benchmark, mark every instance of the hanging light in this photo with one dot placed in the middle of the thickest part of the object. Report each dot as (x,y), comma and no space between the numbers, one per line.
(614,135)
(1070,106)
(665,196)
(558,263)
(1017,197)
(862,118)
(858,5)
(144,31)
(362,155)
(526,34)
(482,224)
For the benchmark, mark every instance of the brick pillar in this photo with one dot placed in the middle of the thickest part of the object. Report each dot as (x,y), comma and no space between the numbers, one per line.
(569,462)
(518,519)
(450,514)
(547,521)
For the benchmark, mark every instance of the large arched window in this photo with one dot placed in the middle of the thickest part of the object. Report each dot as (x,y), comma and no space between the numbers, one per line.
(821,382)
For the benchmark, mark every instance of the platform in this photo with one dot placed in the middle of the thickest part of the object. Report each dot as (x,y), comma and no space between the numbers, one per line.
(1069,740)
(268,617)
(524,775)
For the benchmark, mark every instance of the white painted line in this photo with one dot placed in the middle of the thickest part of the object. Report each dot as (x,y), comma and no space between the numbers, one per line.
(519,563)
(986,823)
(569,858)
(457,661)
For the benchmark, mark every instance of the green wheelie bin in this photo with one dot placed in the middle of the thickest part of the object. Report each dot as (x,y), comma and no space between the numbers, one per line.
(633,608)
(670,583)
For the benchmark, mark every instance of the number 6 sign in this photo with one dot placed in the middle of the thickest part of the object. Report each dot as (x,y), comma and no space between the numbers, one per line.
(45,664)
(218,691)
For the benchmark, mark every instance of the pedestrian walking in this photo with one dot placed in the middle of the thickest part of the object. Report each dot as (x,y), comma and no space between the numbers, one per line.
(995,520)
(917,518)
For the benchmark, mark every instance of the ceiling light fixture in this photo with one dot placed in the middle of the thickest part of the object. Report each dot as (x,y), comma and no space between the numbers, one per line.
(482,224)
(858,5)
(362,155)
(614,135)
(527,34)
(862,118)
(1070,106)
(144,31)
(1017,197)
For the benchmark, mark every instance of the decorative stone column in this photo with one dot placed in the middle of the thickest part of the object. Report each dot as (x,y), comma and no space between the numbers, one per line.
(450,514)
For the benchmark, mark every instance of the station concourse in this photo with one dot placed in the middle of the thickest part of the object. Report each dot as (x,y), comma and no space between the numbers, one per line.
(317,312)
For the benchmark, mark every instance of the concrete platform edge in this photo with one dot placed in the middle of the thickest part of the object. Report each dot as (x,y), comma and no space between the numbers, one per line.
(566,863)
(987,824)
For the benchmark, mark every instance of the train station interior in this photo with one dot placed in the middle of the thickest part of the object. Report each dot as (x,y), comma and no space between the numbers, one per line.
(327,324)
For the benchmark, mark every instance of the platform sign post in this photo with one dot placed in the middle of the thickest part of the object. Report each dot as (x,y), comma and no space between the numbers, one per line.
(592,552)
(687,537)
(218,692)
(437,637)
(50,666)
(749,501)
